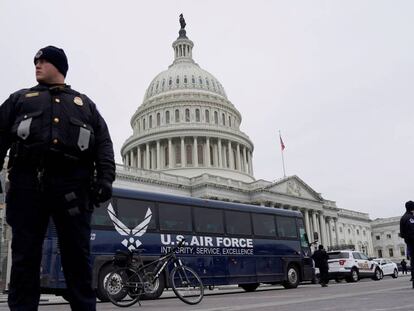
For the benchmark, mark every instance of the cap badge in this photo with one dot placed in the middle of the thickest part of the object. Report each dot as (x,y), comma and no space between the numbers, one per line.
(78,101)
(38,54)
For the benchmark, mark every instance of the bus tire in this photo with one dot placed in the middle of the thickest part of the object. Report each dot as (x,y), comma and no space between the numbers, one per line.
(103,274)
(292,277)
(249,287)
(158,288)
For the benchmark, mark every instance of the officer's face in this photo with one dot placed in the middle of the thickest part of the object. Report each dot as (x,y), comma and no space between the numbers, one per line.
(47,73)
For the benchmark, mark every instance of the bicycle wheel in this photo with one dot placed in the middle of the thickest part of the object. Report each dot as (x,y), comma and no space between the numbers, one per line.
(187,285)
(124,287)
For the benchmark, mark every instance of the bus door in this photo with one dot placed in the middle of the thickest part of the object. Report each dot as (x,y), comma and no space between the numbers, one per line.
(308,271)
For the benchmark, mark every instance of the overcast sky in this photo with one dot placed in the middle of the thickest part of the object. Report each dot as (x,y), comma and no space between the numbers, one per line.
(336,77)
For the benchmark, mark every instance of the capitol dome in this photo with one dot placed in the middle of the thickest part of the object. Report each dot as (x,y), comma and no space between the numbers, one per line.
(186,125)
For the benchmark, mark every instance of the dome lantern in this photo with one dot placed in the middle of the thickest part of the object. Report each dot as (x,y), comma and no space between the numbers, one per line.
(183,47)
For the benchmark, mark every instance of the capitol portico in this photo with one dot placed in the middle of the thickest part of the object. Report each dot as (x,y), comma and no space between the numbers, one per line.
(186,140)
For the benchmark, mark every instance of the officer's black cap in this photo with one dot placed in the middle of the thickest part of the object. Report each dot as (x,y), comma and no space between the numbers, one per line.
(55,56)
(409,206)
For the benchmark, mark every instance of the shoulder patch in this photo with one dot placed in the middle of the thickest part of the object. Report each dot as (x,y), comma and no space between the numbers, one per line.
(411,220)
(31,94)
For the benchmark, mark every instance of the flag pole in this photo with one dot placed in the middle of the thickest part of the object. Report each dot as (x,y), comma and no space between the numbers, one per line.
(282,147)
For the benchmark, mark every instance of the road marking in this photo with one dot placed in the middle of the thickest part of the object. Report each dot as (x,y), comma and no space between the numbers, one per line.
(296,301)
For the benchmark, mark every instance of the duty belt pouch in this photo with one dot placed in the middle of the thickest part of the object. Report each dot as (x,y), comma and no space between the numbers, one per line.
(23,131)
(72,203)
(83,140)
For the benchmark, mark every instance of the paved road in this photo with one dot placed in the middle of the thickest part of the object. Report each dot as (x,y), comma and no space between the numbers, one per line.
(385,295)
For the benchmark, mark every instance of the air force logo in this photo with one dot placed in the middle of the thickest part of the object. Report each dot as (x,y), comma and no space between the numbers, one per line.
(130,241)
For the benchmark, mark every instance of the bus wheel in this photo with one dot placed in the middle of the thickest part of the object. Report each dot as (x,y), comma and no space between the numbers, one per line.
(153,288)
(103,275)
(249,287)
(292,277)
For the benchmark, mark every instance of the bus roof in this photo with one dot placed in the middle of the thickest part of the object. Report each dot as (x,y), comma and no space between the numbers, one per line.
(184,200)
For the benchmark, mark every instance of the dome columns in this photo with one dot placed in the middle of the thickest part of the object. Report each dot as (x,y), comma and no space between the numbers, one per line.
(190,152)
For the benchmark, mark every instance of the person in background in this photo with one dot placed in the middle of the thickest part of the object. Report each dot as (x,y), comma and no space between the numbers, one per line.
(61,164)
(403,266)
(407,231)
(320,257)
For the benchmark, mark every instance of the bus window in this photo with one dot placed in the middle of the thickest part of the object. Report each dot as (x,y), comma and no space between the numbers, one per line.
(286,227)
(174,217)
(207,220)
(264,225)
(100,216)
(238,223)
(133,212)
(302,234)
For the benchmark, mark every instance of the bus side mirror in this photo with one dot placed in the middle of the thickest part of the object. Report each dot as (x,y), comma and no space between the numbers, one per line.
(316,236)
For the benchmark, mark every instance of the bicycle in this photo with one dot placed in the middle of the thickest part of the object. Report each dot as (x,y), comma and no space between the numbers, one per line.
(134,280)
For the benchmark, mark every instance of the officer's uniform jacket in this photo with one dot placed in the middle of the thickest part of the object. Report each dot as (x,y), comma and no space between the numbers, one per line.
(407,228)
(58,128)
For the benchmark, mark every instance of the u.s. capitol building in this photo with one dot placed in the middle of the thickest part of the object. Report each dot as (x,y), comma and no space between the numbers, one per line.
(186,140)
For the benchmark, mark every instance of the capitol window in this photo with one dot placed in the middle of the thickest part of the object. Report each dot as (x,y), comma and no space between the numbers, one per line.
(178,80)
(208,85)
(223,118)
(197,115)
(185,79)
(170,81)
(150,122)
(402,250)
(189,154)
(167,117)
(158,119)
(143,124)
(214,85)
(200,154)
(193,79)
(201,81)
(177,115)
(177,154)
(163,83)
(187,115)
(215,117)
(229,121)
(388,236)
(207,116)
(391,252)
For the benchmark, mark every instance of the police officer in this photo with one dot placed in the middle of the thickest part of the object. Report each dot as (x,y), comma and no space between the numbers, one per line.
(61,163)
(320,257)
(407,232)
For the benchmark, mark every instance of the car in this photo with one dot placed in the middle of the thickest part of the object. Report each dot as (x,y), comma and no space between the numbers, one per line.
(352,266)
(388,267)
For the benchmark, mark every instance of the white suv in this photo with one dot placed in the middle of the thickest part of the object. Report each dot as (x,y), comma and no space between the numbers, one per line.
(352,266)
(388,267)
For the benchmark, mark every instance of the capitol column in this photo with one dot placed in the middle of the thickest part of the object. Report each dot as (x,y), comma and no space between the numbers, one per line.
(183,161)
(147,157)
(231,159)
(132,158)
(245,159)
(328,219)
(220,158)
(126,159)
(208,152)
(336,231)
(238,157)
(249,156)
(195,152)
(322,228)
(170,154)
(307,225)
(315,224)
(158,155)
(139,157)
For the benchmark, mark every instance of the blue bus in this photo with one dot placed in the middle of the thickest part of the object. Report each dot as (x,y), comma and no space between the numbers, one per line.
(226,243)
